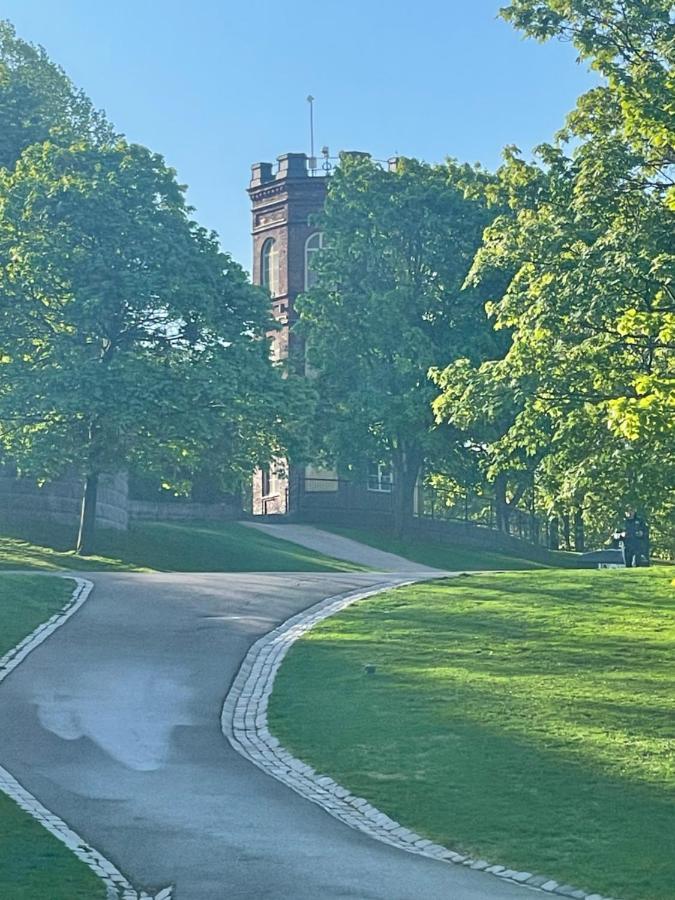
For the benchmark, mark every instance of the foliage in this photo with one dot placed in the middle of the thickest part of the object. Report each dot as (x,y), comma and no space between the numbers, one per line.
(389,304)
(38,102)
(630,42)
(588,240)
(126,333)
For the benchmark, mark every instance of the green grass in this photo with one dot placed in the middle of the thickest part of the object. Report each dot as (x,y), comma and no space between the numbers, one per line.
(525,718)
(33,864)
(452,558)
(161,547)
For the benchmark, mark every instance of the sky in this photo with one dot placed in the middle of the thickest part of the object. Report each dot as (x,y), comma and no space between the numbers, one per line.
(216,85)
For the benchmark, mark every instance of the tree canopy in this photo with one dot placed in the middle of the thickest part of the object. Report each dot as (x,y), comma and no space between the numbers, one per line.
(389,304)
(38,102)
(589,238)
(127,333)
(128,338)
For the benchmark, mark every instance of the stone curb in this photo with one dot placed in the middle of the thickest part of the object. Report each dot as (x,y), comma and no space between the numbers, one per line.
(244,723)
(17,654)
(117,886)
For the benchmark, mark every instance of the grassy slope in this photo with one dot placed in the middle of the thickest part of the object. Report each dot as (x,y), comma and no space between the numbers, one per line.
(524,718)
(450,558)
(151,546)
(33,864)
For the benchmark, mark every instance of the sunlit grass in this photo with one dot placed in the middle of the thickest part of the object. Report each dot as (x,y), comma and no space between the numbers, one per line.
(526,718)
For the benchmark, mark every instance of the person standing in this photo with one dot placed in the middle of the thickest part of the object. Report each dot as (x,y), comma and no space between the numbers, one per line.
(635,540)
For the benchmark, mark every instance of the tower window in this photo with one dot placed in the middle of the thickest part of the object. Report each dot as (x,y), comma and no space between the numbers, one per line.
(313,244)
(270,266)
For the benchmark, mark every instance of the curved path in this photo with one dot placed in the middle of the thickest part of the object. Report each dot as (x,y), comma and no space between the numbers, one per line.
(113,724)
(340,547)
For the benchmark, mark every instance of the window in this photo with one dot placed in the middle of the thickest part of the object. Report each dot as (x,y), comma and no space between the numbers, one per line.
(269,267)
(380,478)
(321,481)
(313,244)
(265,481)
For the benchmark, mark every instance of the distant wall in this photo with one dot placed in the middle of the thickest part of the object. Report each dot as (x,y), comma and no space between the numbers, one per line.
(140,510)
(60,501)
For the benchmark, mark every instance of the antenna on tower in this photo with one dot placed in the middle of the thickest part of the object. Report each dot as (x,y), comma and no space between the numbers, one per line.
(311,162)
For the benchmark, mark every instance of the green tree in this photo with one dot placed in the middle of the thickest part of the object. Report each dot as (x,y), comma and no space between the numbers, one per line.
(484,406)
(389,305)
(126,333)
(38,102)
(630,43)
(588,240)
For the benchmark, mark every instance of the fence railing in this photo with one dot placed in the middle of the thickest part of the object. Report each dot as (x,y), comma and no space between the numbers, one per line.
(343,495)
(479,509)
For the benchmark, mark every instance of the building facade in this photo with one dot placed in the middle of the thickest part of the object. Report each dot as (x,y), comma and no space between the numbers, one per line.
(284,199)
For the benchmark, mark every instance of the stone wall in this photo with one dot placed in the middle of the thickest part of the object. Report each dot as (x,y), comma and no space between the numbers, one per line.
(147,510)
(60,501)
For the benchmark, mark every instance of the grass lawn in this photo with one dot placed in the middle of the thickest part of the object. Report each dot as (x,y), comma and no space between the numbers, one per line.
(162,547)
(525,718)
(450,558)
(33,864)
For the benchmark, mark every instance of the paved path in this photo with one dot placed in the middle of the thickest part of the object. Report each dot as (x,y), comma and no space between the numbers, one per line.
(113,724)
(341,547)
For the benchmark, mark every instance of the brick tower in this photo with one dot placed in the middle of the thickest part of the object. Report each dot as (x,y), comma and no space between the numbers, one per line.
(282,202)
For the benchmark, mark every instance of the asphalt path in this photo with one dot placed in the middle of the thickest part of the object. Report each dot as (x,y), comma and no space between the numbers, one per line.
(114,725)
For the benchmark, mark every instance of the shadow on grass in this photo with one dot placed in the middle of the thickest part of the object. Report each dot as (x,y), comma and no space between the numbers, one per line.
(516,799)
(161,546)
(527,719)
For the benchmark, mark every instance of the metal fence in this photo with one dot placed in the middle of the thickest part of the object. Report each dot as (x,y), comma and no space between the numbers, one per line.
(343,496)
(480,509)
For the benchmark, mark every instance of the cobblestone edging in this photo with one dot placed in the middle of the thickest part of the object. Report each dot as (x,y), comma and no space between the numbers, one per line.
(244,722)
(117,886)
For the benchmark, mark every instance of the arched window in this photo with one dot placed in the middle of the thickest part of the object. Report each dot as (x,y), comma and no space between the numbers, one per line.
(269,266)
(313,244)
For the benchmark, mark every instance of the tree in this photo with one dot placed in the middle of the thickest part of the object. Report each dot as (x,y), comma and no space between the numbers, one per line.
(126,334)
(630,43)
(389,305)
(589,243)
(483,408)
(38,102)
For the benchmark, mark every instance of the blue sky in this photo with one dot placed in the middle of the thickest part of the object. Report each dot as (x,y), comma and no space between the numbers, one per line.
(215,85)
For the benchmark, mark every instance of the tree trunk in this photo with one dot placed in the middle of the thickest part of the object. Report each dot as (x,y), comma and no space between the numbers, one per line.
(553,534)
(85,537)
(579,535)
(406,468)
(566,530)
(205,488)
(501,504)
